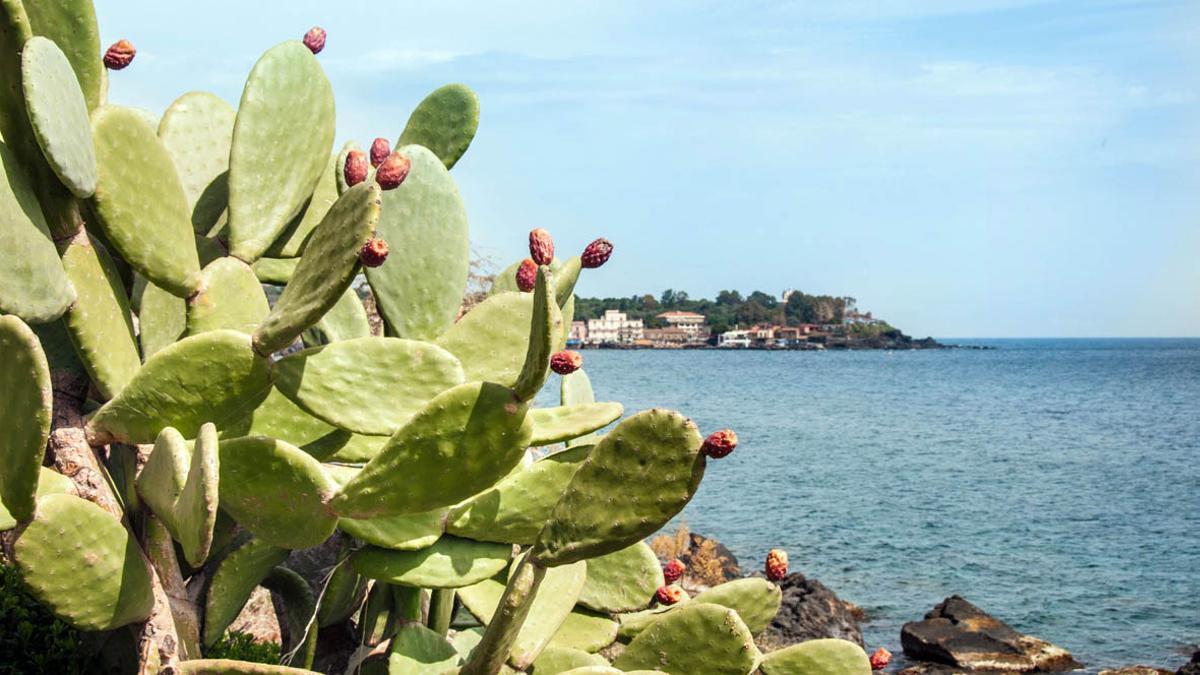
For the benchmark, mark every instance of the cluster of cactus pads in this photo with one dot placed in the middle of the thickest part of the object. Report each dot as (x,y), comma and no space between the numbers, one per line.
(168,436)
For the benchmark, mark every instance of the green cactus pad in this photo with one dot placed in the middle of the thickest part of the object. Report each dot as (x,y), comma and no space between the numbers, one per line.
(636,479)
(445,122)
(140,203)
(756,600)
(818,657)
(545,331)
(231,667)
(343,595)
(212,377)
(576,389)
(197,130)
(161,480)
(276,271)
(493,338)
(99,322)
(358,449)
(340,164)
(291,243)
(83,565)
(515,509)
(278,417)
(327,269)
(282,139)
(556,659)
(632,624)
(416,650)
(196,510)
(420,287)
(466,639)
(623,580)
(479,428)
(230,297)
(369,385)
(345,321)
(555,425)
(232,583)
(565,278)
(25,416)
(50,482)
(551,604)
(299,605)
(59,115)
(696,638)
(408,532)
(33,284)
(506,280)
(277,491)
(450,563)
(72,25)
(586,630)
(162,317)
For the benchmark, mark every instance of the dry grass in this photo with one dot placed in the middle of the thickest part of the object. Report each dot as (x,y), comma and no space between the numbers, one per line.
(705,566)
(668,546)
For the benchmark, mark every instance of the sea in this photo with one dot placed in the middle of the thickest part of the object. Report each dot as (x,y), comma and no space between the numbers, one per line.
(1055,483)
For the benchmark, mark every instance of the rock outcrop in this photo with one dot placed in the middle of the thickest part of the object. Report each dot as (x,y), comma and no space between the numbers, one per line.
(811,611)
(959,634)
(1191,667)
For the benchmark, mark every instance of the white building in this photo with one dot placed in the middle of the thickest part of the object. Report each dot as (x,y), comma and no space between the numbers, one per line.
(614,327)
(734,338)
(691,323)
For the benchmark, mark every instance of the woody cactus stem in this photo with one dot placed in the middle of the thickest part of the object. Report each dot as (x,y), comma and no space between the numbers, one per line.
(491,652)
(441,610)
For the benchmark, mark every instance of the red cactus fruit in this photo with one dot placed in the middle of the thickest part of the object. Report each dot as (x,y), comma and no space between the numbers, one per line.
(566,362)
(527,275)
(314,39)
(119,55)
(380,149)
(720,443)
(597,253)
(669,595)
(541,246)
(673,570)
(880,659)
(373,253)
(355,170)
(777,564)
(392,172)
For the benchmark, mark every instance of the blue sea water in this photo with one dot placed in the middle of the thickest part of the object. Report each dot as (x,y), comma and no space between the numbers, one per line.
(1055,483)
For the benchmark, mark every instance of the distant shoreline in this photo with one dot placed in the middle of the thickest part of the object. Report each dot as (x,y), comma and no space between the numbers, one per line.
(844,344)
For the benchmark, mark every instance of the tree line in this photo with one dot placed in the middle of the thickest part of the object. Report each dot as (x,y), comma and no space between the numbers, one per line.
(729,309)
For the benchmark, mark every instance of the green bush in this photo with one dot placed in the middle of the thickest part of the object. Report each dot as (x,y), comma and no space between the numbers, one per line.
(241,646)
(31,639)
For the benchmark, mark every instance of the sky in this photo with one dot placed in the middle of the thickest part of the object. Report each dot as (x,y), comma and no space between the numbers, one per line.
(982,168)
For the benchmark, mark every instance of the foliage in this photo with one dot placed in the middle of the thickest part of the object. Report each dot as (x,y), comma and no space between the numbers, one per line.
(728,310)
(32,640)
(243,647)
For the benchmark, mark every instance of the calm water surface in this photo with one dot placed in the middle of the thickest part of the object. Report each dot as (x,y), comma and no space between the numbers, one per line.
(1052,482)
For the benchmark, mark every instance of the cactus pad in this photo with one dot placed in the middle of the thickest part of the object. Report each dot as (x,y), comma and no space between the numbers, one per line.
(197,129)
(556,659)
(554,425)
(576,389)
(25,416)
(59,115)
(162,317)
(276,271)
(817,657)
(408,532)
(278,417)
(50,482)
(83,564)
(479,428)
(636,479)
(196,510)
(326,271)
(343,595)
(346,320)
(230,297)
(233,581)
(696,638)
(72,25)
(369,385)
(282,138)
(340,163)
(515,509)
(450,563)
(493,338)
(416,650)
(545,331)
(277,491)
(212,377)
(445,122)
(291,243)
(231,667)
(756,600)
(140,202)
(161,480)
(585,630)
(623,580)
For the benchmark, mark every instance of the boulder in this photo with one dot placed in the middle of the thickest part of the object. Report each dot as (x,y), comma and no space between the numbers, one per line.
(1191,667)
(959,634)
(708,563)
(1136,670)
(811,611)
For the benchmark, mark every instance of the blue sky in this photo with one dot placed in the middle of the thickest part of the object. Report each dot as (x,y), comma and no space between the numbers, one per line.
(974,168)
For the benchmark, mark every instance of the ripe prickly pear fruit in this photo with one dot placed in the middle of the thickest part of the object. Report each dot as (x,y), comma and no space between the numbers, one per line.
(669,595)
(356,169)
(527,275)
(119,55)
(673,570)
(566,362)
(541,246)
(392,171)
(314,39)
(777,564)
(720,443)
(380,149)
(597,253)
(373,253)
(880,659)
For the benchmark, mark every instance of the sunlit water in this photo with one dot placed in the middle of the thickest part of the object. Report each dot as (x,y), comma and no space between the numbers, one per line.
(1052,482)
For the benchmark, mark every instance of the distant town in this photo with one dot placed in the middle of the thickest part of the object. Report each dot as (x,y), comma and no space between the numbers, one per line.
(792,320)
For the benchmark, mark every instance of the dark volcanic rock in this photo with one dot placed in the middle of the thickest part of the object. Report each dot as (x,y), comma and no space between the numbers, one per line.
(959,634)
(811,611)
(1191,667)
